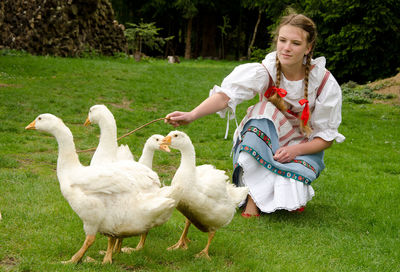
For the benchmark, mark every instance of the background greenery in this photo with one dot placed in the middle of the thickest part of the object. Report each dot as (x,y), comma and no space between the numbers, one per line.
(352,224)
(360,39)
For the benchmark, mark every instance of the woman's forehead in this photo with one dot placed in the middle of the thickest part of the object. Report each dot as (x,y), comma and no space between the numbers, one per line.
(292,33)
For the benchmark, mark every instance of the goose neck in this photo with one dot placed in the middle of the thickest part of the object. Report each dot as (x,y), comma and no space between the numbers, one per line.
(188,157)
(67,156)
(108,133)
(147,157)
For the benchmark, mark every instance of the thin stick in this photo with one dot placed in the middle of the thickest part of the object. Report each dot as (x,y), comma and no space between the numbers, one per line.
(127,134)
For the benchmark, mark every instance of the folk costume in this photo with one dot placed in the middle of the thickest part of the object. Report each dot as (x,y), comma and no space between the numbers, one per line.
(264,129)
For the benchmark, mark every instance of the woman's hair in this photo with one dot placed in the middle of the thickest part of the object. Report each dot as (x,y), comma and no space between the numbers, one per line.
(305,23)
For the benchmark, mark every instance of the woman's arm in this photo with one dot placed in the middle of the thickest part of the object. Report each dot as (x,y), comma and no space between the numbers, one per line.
(288,153)
(212,104)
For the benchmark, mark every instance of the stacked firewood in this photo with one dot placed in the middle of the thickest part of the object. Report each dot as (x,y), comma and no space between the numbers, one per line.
(60,27)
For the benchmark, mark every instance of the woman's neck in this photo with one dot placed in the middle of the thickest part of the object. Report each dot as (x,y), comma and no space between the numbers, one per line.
(294,72)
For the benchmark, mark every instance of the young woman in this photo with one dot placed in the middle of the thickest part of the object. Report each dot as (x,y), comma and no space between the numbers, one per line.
(278,146)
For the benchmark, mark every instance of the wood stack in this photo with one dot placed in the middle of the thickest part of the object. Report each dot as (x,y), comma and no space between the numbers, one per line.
(60,27)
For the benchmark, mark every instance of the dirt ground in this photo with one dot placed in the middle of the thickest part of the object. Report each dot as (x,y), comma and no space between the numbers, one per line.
(388,86)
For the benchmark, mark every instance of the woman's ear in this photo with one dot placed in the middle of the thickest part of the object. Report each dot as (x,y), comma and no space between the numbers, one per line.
(308,50)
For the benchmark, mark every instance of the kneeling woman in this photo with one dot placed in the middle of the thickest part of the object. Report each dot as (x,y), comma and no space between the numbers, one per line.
(278,146)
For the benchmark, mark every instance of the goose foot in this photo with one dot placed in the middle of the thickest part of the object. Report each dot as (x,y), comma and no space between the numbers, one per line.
(203,254)
(183,240)
(182,243)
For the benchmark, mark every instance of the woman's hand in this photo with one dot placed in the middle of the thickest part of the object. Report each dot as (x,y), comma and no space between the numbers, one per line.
(178,118)
(286,154)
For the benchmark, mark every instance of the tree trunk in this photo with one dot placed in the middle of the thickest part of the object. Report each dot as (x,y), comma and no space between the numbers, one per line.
(209,48)
(188,44)
(254,34)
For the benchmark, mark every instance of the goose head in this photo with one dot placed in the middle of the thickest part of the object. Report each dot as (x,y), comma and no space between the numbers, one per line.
(154,142)
(45,122)
(177,140)
(97,113)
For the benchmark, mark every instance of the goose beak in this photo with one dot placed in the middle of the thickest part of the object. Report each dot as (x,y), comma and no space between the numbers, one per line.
(31,125)
(166,140)
(165,148)
(87,122)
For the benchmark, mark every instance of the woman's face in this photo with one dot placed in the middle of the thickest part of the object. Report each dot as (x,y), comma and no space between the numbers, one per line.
(292,45)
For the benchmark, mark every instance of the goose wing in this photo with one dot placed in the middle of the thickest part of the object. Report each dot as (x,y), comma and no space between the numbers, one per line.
(104,180)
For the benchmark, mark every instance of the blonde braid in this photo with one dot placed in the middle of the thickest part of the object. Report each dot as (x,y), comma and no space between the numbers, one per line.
(275,98)
(306,128)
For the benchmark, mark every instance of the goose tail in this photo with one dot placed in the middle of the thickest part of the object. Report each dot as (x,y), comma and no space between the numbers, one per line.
(237,194)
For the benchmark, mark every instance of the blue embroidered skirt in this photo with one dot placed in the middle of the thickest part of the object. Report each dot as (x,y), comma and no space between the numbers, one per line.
(259,139)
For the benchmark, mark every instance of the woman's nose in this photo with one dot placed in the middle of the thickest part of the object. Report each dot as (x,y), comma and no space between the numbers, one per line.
(287,47)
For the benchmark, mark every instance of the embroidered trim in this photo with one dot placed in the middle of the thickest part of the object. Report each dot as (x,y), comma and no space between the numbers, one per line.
(264,137)
(273,169)
(306,164)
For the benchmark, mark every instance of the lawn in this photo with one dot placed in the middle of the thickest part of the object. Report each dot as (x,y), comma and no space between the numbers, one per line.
(352,224)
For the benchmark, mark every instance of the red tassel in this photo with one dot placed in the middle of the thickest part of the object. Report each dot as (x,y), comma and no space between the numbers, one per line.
(306,111)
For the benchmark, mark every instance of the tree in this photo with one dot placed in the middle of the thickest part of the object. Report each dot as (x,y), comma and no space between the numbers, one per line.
(360,39)
(224,27)
(141,34)
(260,5)
(189,10)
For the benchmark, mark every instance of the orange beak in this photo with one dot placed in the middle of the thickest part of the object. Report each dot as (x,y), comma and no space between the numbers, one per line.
(166,140)
(87,122)
(165,148)
(31,125)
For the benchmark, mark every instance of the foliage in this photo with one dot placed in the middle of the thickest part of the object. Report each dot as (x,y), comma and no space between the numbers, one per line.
(223,28)
(361,94)
(187,7)
(360,39)
(146,34)
(258,54)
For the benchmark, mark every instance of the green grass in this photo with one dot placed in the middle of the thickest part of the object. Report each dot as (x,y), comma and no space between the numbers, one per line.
(352,224)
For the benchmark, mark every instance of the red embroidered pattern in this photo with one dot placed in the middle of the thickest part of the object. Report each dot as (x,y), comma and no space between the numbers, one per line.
(270,167)
(260,135)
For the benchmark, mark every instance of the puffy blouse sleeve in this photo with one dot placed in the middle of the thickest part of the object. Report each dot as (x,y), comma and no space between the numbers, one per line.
(242,84)
(327,114)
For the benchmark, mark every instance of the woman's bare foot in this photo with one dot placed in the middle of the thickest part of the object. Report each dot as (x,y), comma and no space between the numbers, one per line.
(251,208)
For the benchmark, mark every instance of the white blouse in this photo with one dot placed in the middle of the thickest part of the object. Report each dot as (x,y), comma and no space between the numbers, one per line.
(248,80)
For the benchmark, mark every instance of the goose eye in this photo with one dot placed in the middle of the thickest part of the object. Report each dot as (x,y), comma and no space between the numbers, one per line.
(157,140)
(176,135)
(40,118)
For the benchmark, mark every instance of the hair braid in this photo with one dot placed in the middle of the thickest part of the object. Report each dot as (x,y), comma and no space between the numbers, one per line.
(306,128)
(275,98)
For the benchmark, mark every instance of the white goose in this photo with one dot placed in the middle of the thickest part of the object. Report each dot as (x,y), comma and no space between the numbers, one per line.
(108,151)
(152,144)
(105,198)
(208,200)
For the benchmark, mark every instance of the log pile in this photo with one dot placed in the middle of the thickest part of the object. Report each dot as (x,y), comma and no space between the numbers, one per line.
(60,27)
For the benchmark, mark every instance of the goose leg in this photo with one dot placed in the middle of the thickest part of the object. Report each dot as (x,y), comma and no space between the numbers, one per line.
(79,254)
(139,246)
(183,241)
(118,245)
(110,247)
(204,252)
